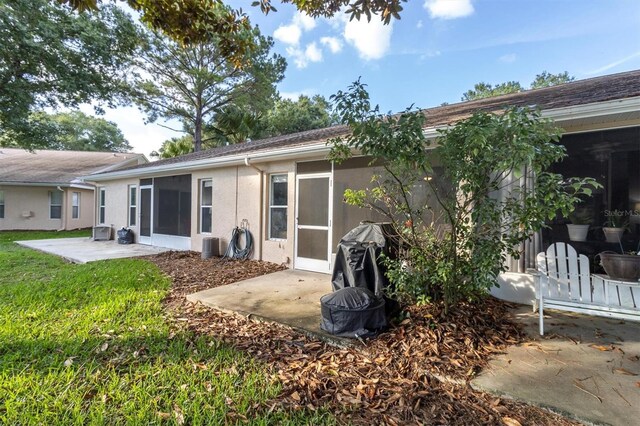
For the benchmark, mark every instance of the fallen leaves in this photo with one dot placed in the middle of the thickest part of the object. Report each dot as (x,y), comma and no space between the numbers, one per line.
(395,379)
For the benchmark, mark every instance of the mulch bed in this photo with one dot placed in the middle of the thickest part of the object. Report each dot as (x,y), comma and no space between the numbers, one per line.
(415,373)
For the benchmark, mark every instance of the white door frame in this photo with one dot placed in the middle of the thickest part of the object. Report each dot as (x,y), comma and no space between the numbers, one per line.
(308,264)
(146,239)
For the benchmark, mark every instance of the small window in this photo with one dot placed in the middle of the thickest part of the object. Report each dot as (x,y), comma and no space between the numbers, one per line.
(206,202)
(1,204)
(75,205)
(133,204)
(55,205)
(278,195)
(102,198)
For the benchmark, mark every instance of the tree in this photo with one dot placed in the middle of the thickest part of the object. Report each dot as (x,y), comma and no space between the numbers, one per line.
(175,147)
(453,206)
(198,21)
(50,57)
(485,90)
(546,79)
(76,131)
(194,83)
(289,116)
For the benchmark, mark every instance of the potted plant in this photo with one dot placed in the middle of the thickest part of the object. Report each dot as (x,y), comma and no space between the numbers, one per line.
(579,226)
(615,226)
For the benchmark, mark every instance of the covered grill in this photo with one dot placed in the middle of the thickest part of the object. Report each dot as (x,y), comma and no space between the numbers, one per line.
(358,306)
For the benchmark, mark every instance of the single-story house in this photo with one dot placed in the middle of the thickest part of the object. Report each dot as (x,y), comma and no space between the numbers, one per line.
(43,190)
(291,198)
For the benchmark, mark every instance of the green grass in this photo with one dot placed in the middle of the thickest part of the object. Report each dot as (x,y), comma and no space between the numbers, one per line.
(91,344)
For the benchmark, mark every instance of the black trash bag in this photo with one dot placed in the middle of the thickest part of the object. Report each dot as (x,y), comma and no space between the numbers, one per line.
(125,236)
(353,312)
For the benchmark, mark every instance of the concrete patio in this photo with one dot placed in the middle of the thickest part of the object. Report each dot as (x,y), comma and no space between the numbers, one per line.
(289,297)
(84,249)
(585,367)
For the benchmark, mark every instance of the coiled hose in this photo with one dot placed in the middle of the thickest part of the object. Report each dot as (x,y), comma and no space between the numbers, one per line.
(234,251)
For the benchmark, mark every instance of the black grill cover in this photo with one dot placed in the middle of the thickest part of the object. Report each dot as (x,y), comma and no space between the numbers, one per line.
(357,263)
(352,312)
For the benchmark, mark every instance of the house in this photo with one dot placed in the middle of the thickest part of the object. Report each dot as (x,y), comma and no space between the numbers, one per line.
(290,197)
(43,189)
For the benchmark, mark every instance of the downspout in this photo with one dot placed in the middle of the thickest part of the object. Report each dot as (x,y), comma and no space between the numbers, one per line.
(261,215)
(63,213)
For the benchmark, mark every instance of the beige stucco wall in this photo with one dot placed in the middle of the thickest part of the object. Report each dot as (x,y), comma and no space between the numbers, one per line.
(237,198)
(27,208)
(117,205)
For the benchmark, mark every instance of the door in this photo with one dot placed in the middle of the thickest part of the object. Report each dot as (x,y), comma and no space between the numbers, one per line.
(313,222)
(146,194)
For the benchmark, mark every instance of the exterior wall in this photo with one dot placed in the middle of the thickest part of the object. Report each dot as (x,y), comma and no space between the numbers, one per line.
(241,194)
(22,199)
(87,209)
(117,205)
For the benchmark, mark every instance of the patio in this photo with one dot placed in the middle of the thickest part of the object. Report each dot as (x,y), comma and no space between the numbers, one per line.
(585,367)
(289,297)
(83,250)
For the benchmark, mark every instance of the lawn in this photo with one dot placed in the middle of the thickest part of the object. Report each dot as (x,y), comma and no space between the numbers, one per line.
(92,344)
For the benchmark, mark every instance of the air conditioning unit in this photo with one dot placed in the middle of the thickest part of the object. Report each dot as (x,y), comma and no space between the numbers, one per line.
(101,233)
(210,247)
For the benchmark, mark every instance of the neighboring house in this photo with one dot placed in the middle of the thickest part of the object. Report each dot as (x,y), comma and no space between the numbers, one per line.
(291,198)
(44,190)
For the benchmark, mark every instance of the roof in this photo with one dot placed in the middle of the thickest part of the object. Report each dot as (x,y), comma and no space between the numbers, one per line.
(59,167)
(581,92)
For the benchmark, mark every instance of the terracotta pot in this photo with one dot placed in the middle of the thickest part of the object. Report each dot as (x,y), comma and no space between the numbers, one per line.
(621,266)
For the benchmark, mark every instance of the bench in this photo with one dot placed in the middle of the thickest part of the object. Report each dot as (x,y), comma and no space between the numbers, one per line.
(566,283)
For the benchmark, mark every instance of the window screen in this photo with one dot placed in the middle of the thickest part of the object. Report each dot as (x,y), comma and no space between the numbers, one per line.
(172,205)
(75,205)
(1,204)
(206,201)
(278,196)
(133,204)
(102,198)
(55,204)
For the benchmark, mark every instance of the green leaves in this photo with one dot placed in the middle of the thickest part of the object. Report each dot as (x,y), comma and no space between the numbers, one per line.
(463,206)
(52,57)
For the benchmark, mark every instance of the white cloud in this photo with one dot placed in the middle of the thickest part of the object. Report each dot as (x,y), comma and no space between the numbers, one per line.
(448,9)
(372,38)
(419,24)
(288,34)
(295,95)
(302,58)
(508,58)
(304,21)
(334,44)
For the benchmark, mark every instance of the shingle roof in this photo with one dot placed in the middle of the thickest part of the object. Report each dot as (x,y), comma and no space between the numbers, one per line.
(57,167)
(581,92)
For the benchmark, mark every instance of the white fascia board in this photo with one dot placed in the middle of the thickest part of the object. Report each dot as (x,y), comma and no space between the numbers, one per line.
(618,106)
(285,153)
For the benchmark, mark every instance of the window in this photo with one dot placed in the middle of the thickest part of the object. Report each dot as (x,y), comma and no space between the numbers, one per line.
(1,204)
(55,204)
(206,201)
(101,205)
(75,205)
(278,207)
(133,204)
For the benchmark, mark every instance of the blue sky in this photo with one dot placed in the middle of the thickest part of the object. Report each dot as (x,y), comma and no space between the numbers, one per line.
(438,50)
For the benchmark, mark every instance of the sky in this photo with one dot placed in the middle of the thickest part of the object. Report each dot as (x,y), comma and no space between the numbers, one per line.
(437,51)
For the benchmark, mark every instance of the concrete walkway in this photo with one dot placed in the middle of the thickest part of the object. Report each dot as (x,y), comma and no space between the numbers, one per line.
(84,249)
(289,297)
(585,367)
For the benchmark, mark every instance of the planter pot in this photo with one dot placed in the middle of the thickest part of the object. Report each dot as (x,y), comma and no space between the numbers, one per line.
(613,235)
(578,232)
(621,266)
